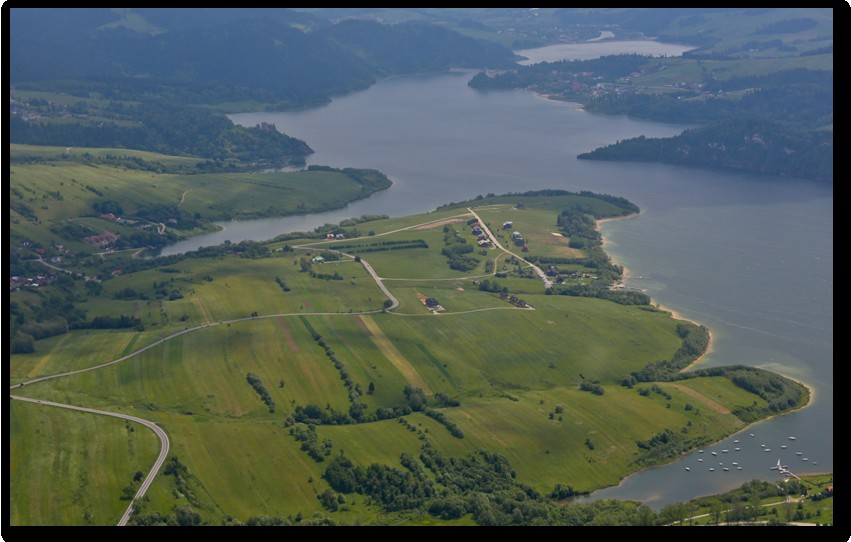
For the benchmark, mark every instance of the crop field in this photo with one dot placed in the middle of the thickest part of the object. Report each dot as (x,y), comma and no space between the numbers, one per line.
(678,70)
(546,451)
(717,390)
(204,374)
(456,296)
(54,448)
(538,229)
(56,153)
(552,345)
(75,350)
(306,330)
(56,188)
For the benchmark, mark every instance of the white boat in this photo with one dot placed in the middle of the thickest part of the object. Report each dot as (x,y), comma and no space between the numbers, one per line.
(737,449)
(688,468)
(712,469)
(791,438)
(751,434)
(738,468)
(734,463)
(804,459)
(714,453)
(701,460)
(724,451)
(783,446)
(700,451)
(767,450)
(797,453)
(726,469)
(763,445)
(736,441)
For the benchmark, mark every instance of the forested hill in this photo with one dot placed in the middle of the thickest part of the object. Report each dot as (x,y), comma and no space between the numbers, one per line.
(780,124)
(275,55)
(751,144)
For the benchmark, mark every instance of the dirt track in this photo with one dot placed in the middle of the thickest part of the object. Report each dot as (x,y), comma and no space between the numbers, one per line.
(702,398)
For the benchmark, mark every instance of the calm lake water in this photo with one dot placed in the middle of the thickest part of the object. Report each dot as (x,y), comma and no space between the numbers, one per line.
(596,49)
(749,256)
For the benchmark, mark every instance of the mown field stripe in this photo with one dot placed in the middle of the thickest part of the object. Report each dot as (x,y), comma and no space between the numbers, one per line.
(394,356)
(436,363)
(288,334)
(129,347)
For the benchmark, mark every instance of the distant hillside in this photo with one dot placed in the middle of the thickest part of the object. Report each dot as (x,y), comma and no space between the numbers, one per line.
(299,58)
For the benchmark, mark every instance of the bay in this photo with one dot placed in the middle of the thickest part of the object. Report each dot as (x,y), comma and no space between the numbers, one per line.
(749,256)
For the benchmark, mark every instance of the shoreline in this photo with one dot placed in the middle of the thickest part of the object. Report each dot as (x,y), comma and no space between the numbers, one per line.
(674,314)
(709,349)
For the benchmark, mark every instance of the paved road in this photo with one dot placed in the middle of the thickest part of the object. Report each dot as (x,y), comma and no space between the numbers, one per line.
(87,278)
(369,269)
(153,426)
(547,282)
(164,443)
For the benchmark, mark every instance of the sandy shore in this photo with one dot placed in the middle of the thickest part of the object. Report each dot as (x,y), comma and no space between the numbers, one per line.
(678,316)
(674,314)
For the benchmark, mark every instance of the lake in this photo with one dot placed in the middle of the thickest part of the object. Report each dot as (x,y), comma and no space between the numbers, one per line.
(595,49)
(749,256)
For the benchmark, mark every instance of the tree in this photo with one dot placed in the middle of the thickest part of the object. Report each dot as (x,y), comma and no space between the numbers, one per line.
(371,388)
(23,344)
(789,508)
(754,504)
(715,511)
(186,516)
(416,397)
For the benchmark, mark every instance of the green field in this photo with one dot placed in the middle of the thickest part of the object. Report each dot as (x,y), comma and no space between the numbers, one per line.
(69,468)
(515,371)
(54,191)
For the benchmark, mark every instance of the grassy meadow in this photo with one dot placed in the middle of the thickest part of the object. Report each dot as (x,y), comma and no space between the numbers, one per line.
(51,187)
(515,371)
(70,468)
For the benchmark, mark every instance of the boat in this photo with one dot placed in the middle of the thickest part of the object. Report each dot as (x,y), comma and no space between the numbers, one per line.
(804,459)
(763,445)
(797,453)
(700,451)
(734,463)
(767,450)
(688,468)
(791,438)
(714,453)
(712,469)
(751,434)
(726,469)
(783,446)
(736,441)
(738,468)
(701,460)
(724,451)
(737,449)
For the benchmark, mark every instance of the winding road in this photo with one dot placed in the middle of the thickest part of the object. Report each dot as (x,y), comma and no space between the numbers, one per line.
(547,282)
(161,434)
(164,444)
(158,431)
